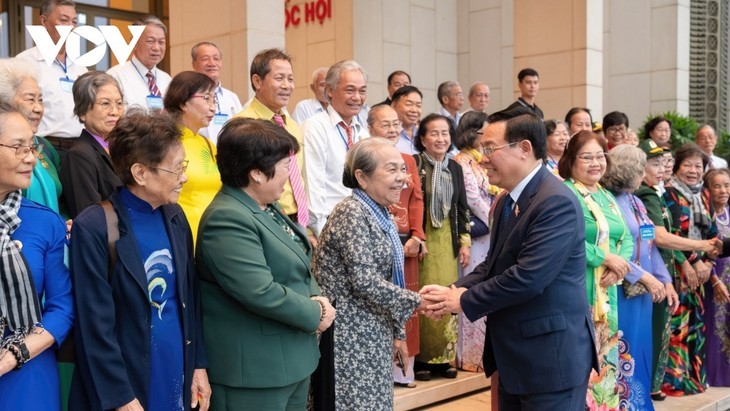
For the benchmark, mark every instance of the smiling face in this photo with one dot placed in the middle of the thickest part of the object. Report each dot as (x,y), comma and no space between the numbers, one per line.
(690,170)
(385,184)
(385,124)
(15,172)
(208,61)
(29,102)
(198,111)
(590,164)
(720,190)
(274,90)
(503,164)
(163,183)
(99,121)
(349,95)
(437,139)
(270,189)
(151,47)
(556,142)
(59,16)
(409,109)
(398,81)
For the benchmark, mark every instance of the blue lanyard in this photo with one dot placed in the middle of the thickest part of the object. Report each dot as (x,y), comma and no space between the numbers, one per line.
(344,139)
(640,217)
(218,99)
(144,79)
(64,66)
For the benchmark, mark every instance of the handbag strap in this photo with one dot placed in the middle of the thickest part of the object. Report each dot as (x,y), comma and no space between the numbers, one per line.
(112,229)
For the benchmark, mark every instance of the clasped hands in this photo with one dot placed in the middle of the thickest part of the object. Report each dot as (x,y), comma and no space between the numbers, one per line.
(329,313)
(438,300)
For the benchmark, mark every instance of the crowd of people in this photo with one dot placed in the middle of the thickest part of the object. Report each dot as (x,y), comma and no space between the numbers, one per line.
(165,247)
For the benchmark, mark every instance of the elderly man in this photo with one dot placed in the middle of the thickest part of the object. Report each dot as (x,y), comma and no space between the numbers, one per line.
(479,97)
(452,99)
(529,83)
(706,138)
(208,60)
(533,292)
(407,103)
(142,83)
(329,135)
(311,106)
(396,80)
(272,78)
(59,125)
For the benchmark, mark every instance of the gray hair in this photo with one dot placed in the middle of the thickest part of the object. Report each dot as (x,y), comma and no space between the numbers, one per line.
(49,5)
(85,88)
(317,72)
(627,165)
(153,20)
(194,50)
(12,73)
(362,157)
(375,110)
(334,72)
(444,90)
(474,86)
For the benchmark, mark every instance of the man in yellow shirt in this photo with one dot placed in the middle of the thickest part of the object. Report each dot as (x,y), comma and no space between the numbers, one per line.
(272,78)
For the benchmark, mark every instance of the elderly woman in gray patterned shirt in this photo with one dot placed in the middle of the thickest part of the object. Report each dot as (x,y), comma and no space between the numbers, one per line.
(359,267)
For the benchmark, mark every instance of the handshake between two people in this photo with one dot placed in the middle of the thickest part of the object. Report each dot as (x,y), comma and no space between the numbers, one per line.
(438,300)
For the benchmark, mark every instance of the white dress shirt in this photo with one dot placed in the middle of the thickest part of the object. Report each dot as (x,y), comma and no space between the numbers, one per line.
(133,81)
(717,162)
(58,118)
(325,148)
(228,105)
(455,120)
(307,108)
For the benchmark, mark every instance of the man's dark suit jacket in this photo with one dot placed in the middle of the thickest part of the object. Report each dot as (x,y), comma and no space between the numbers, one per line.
(532,287)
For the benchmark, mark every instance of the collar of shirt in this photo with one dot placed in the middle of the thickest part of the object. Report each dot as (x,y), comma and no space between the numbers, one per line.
(142,69)
(335,119)
(264,112)
(103,143)
(517,191)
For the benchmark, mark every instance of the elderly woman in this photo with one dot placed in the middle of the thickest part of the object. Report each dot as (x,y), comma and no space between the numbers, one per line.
(86,171)
(669,246)
(692,217)
(36,314)
(616,128)
(138,330)
(479,196)
(258,292)
(408,216)
(659,129)
(653,284)
(717,298)
(609,246)
(191,101)
(19,88)
(359,265)
(557,139)
(578,119)
(447,226)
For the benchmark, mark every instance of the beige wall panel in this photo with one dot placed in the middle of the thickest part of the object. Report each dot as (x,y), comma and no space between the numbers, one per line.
(553,101)
(446,26)
(368,49)
(423,46)
(536,19)
(429,4)
(396,21)
(630,94)
(477,5)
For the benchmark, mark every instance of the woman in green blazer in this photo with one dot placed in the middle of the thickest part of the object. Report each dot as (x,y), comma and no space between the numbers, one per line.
(261,305)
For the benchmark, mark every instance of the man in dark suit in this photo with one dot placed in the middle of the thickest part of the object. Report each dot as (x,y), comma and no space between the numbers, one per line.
(532,286)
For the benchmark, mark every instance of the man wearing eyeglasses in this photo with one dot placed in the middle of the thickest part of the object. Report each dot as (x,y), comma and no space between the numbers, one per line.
(478,97)
(532,286)
(706,139)
(142,82)
(451,98)
(272,78)
(59,126)
(208,60)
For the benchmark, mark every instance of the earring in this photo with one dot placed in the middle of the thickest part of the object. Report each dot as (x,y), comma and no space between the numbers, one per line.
(258,180)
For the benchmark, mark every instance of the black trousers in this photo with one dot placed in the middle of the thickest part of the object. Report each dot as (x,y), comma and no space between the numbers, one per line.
(572,399)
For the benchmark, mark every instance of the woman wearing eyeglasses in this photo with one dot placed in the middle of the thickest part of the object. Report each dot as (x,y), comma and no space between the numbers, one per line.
(86,171)
(446,224)
(36,309)
(609,246)
(190,100)
(138,331)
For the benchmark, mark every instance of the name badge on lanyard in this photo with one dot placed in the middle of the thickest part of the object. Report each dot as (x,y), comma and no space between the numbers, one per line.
(220,119)
(647,232)
(154,102)
(66,84)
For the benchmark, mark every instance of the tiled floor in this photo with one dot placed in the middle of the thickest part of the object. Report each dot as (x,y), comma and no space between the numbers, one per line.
(715,399)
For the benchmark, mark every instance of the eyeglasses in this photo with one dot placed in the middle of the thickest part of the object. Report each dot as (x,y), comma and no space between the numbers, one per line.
(208,98)
(177,173)
(616,130)
(588,158)
(106,105)
(488,151)
(22,151)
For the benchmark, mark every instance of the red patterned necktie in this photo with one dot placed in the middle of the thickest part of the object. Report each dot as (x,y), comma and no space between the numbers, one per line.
(297,185)
(348,129)
(154,91)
